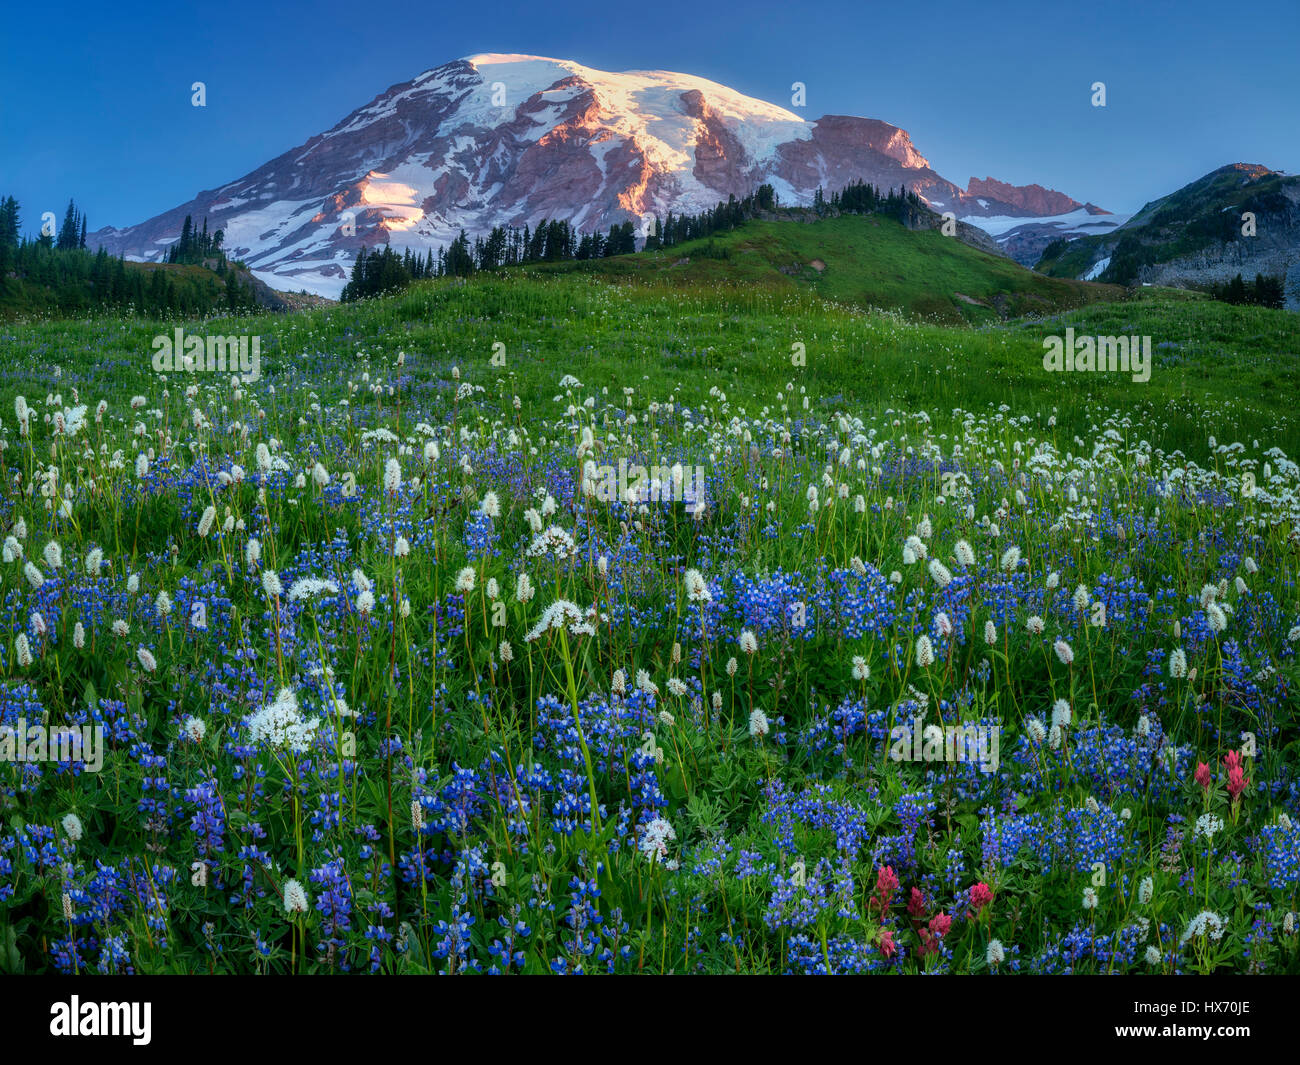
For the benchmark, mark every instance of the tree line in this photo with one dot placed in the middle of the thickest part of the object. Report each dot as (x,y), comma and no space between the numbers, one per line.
(56,273)
(552,240)
(861,197)
(1263,292)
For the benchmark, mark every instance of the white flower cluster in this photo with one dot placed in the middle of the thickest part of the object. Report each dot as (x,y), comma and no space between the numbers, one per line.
(280,724)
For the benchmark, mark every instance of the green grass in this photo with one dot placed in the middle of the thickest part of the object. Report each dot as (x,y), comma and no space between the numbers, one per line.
(867,261)
(1230,371)
(827,471)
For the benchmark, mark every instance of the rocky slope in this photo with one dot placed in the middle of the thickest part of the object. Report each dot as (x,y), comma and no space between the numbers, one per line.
(1199,234)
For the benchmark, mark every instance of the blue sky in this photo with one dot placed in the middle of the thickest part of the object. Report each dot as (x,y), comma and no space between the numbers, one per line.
(95,97)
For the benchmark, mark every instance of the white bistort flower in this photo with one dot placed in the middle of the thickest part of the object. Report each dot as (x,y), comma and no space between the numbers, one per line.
(295,898)
(995,955)
(924,652)
(271,584)
(1178,663)
(205,522)
(392,476)
(939,573)
(697,588)
(523,588)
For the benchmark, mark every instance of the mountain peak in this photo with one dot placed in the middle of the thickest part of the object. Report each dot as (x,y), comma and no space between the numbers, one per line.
(501,138)
(493,58)
(1027,199)
(1250,170)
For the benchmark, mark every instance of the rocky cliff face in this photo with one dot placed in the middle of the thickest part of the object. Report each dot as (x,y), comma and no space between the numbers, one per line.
(1027,199)
(513,139)
(1273,250)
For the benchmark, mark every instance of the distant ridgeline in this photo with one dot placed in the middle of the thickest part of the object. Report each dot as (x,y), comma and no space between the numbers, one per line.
(57,274)
(378,272)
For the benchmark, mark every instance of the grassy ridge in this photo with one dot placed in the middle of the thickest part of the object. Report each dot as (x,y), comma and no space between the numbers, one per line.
(864,260)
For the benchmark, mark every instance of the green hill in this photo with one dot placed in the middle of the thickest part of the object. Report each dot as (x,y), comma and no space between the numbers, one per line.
(863,260)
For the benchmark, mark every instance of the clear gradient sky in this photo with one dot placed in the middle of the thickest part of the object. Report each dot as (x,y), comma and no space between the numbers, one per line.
(95,97)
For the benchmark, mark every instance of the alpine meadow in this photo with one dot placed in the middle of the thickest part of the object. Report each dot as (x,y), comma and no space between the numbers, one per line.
(481,542)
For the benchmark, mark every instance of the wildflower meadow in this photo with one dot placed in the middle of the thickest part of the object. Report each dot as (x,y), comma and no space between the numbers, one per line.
(555,625)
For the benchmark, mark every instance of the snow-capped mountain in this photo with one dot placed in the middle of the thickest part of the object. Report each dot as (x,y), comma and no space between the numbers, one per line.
(515,139)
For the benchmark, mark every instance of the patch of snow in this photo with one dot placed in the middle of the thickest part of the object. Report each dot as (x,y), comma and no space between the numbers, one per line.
(313,281)
(1098,268)
(1078,220)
